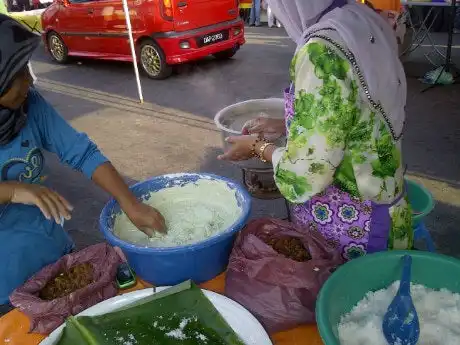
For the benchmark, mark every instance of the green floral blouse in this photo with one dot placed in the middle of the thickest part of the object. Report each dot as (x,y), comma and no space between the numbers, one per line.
(336,138)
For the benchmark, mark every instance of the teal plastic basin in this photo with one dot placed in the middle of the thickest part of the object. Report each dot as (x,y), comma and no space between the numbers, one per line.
(350,283)
(422,201)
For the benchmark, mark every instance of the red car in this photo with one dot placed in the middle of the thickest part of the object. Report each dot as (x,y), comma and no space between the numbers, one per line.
(166,32)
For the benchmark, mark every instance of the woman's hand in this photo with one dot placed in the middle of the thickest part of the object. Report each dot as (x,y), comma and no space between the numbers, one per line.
(242,148)
(146,218)
(268,127)
(50,203)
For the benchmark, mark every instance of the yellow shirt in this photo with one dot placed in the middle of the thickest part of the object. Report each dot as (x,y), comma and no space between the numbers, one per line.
(246,4)
(3,7)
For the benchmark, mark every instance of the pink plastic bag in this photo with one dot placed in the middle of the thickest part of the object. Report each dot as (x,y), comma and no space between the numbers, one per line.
(45,316)
(280,292)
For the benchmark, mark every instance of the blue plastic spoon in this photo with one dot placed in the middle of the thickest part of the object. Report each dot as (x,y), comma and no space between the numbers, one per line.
(400,323)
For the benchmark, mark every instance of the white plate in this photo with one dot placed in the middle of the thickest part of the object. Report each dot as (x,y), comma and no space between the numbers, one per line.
(239,319)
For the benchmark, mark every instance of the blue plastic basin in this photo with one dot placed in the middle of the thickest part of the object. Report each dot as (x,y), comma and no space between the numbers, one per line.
(422,202)
(169,266)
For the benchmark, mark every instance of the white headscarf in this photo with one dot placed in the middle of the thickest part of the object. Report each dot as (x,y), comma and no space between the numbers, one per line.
(369,38)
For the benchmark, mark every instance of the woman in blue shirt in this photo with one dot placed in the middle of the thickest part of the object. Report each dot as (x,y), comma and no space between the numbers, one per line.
(31,234)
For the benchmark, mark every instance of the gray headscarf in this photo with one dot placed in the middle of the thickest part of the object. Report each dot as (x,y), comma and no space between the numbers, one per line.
(367,35)
(16,47)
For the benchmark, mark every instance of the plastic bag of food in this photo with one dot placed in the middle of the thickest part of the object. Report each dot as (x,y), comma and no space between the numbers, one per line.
(276,271)
(74,283)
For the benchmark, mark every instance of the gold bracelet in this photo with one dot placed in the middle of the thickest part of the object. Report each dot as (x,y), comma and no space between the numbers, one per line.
(254,145)
(262,151)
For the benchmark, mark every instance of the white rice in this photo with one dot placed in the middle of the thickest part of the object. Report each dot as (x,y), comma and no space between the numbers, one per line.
(438,312)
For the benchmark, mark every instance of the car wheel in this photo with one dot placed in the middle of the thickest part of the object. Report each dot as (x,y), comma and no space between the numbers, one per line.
(153,61)
(57,48)
(226,54)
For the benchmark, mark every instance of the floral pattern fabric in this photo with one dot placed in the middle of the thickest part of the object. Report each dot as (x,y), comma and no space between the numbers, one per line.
(344,222)
(338,144)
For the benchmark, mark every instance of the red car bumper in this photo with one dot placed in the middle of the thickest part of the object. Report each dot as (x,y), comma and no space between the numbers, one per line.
(181,47)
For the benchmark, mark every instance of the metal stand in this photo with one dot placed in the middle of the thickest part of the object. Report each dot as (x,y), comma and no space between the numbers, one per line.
(270,196)
(448,66)
(420,30)
(288,210)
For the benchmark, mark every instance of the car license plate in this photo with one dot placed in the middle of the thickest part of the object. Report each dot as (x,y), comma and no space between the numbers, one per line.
(213,38)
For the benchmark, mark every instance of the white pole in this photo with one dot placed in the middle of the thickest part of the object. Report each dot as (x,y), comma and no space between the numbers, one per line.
(32,74)
(133,49)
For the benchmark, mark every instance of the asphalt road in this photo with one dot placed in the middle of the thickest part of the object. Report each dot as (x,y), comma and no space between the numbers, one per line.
(173,131)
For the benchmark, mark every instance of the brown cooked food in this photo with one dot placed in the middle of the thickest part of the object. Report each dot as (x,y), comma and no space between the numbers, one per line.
(67,282)
(290,247)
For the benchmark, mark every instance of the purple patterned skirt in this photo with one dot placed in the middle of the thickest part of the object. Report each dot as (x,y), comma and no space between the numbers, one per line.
(352,226)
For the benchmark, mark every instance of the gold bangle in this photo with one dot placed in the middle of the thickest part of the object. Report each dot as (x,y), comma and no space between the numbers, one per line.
(262,151)
(254,145)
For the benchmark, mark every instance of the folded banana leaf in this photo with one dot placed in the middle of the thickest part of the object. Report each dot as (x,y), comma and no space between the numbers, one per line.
(176,316)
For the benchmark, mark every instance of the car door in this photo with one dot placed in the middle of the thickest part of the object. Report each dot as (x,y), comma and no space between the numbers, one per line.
(110,23)
(76,25)
(193,14)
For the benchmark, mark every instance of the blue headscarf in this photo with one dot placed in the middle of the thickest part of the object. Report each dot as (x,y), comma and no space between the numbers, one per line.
(17,45)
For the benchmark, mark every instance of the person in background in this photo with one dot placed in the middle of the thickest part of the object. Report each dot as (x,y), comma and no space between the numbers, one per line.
(342,168)
(457,20)
(23,5)
(254,19)
(31,214)
(272,21)
(245,10)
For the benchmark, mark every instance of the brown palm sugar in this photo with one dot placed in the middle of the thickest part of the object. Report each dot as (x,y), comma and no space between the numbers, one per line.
(290,247)
(77,277)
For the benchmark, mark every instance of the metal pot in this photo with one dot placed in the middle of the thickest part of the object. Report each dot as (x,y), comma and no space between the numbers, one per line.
(231,120)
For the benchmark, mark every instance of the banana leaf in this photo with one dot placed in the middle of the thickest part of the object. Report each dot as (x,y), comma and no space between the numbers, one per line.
(176,316)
